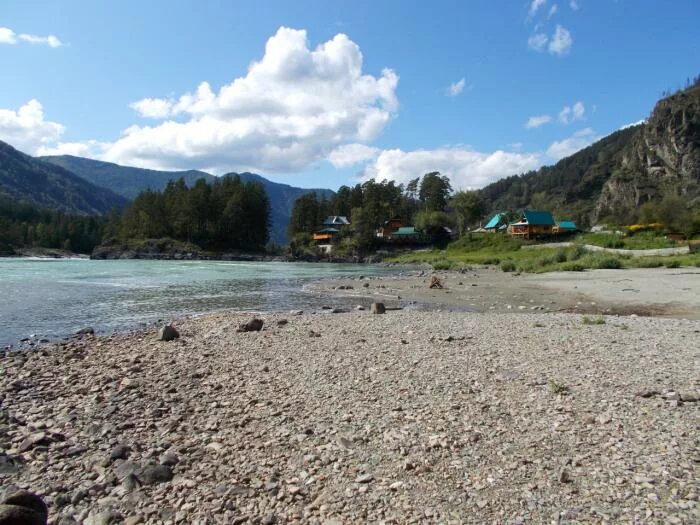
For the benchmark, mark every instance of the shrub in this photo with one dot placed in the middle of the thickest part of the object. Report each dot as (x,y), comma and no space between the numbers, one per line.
(558,388)
(675,263)
(442,264)
(491,260)
(508,266)
(577,252)
(593,320)
(572,267)
(612,263)
(649,263)
(560,256)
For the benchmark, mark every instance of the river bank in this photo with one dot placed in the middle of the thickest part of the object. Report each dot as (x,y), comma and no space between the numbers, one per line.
(360,418)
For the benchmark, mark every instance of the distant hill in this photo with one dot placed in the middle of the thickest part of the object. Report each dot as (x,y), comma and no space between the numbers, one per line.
(124,180)
(614,176)
(27,179)
(129,182)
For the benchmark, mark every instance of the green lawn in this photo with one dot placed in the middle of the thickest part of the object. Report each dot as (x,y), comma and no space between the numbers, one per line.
(638,241)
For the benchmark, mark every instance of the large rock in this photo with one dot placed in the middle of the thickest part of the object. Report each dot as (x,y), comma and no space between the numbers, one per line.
(152,474)
(168,333)
(254,325)
(377,308)
(23,508)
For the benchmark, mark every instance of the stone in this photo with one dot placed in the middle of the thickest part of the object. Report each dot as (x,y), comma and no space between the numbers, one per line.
(153,474)
(88,330)
(282,322)
(120,451)
(564,476)
(23,508)
(377,308)
(168,333)
(270,519)
(364,478)
(7,465)
(689,397)
(170,459)
(254,325)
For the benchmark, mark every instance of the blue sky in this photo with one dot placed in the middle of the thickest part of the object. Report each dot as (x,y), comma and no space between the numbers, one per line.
(321,93)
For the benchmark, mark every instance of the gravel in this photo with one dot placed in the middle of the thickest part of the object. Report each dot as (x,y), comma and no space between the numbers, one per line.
(407,417)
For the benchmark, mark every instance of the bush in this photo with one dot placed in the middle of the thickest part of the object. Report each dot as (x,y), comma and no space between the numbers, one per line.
(593,320)
(508,266)
(673,264)
(649,263)
(577,252)
(560,256)
(611,263)
(491,260)
(442,264)
(572,267)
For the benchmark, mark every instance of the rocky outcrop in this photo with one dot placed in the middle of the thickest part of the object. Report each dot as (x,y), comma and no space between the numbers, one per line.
(664,158)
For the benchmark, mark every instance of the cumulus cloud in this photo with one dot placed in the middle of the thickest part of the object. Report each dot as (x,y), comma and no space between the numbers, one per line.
(26,128)
(8,36)
(561,41)
(293,107)
(537,121)
(573,4)
(552,11)
(351,154)
(579,140)
(538,42)
(466,168)
(573,113)
(456,87)
(632,124)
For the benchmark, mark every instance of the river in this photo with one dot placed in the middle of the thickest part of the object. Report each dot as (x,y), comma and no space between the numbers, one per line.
(53,298)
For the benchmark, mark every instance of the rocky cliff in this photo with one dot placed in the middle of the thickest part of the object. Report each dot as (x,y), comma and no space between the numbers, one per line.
(663,158)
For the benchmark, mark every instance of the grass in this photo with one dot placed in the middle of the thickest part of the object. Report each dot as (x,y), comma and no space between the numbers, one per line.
(638,241)
(558,388)
(507,253)
(593,320)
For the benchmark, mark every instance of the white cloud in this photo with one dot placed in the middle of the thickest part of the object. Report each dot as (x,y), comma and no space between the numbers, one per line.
(26,129)
(351,154)
(465,168)
(552,11)
(153,107)
(88,148)
(456,87)
(573,113)
(537,121)
(535,6)
(561,42)
(573,4)
(8,36)
(632,124)
(292,108)
(538,41)
(579,140)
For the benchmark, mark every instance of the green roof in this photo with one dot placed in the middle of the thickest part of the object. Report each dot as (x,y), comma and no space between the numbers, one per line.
(406,230)
(328,230)
(495,221)
(567,225)
(539,218)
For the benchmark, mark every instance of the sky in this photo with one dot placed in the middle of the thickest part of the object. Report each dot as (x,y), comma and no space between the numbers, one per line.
(326,93)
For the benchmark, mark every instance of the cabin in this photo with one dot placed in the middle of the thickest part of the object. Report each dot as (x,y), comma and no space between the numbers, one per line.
(497,223)
(325,235)
(565,227)
(389,227)
(336,221)
(532,224)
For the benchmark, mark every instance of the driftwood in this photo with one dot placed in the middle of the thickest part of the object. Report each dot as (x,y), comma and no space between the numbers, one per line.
(436,282)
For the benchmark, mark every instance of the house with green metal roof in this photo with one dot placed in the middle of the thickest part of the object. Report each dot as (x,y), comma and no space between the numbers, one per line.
(497,223)
(565,227)
(532,224)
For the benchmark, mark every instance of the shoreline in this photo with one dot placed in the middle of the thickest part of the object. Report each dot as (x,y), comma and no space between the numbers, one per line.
(354,417)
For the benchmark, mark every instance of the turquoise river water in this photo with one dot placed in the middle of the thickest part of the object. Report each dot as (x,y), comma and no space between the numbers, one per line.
(53,298)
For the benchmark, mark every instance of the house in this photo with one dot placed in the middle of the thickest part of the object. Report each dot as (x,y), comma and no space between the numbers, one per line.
(532,224)
(563,227)
(498,222)
(389,227)
(336,221)
(325,235)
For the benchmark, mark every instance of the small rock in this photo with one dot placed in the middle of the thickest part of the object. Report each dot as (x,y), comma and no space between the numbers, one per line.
(88,330)
(270,519)
(282,322)
(120,451)
(23,508)
(168,333)
(377,308)
(254,325)
(364,478)
(564,476)
(152,474)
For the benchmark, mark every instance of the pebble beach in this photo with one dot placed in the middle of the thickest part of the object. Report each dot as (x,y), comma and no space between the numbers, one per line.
(350,417)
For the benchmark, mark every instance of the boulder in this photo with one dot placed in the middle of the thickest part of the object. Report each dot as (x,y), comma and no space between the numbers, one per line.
(254,325)
(377,308)
(23,508)
(152,474)
(88,330)
(168,333)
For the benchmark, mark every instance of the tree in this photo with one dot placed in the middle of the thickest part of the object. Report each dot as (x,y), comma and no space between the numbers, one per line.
(468,208)
(434,191)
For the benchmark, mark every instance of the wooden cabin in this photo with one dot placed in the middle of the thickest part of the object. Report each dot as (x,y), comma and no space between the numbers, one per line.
(532,224)
(564,227)
(390,226)
(325,235)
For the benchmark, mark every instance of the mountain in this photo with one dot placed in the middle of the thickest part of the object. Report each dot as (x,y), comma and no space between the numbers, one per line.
(24,178)
(124,180)
(129,182)
(613,177)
